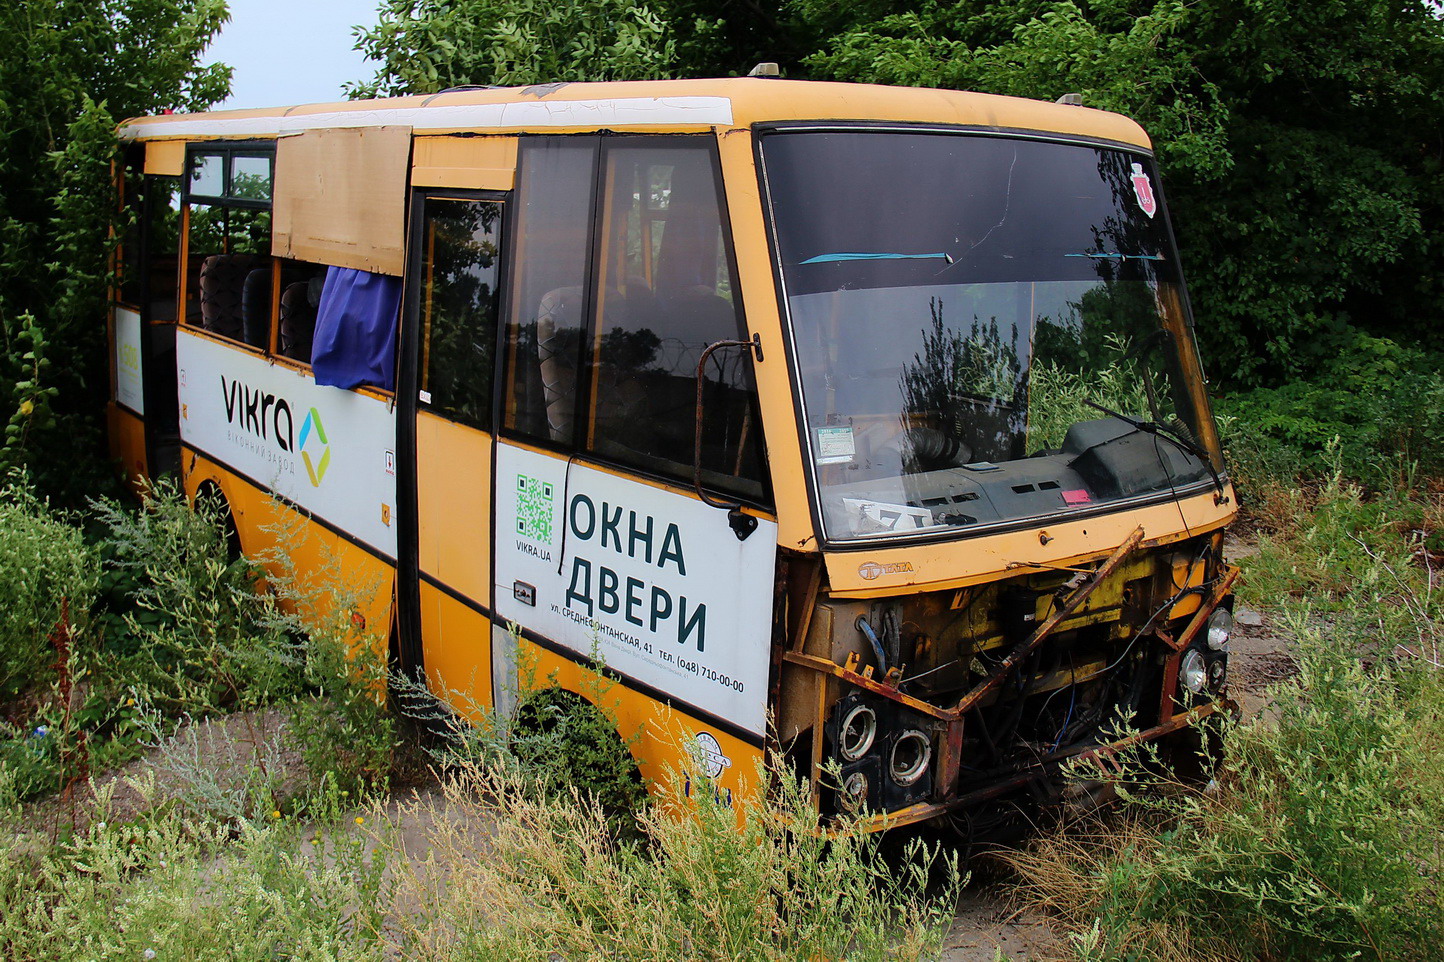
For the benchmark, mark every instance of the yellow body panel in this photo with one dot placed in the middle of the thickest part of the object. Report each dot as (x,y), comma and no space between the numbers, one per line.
(126,434)
(456,650)
(475,163)
(327,569)
(165,158)
(956,564)
(453,499)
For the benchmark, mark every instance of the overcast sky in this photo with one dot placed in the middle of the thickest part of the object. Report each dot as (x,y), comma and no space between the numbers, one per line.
(291,51)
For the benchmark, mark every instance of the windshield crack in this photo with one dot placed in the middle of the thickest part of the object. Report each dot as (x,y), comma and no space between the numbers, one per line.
(1007,205)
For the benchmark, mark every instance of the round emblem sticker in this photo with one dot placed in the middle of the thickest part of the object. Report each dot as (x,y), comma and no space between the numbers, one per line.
(710,755)
(870,570)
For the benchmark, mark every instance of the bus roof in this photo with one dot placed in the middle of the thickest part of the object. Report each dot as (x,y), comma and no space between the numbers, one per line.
(650,106)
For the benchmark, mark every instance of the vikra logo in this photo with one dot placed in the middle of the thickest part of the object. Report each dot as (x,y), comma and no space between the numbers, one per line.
(315,449)
(1143,190)
(265,415)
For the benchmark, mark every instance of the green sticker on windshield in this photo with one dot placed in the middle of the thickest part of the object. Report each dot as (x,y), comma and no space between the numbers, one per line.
(835,445)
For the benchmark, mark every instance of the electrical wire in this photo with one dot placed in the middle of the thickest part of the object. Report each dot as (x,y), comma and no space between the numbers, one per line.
(1072,701)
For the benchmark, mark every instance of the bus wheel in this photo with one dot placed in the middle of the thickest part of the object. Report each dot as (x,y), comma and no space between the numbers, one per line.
(565,741)
(211,504)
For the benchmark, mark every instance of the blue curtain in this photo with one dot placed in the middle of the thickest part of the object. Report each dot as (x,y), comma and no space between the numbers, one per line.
(355,340)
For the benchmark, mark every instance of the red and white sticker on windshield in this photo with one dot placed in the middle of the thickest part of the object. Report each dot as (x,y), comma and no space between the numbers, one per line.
(1143,190)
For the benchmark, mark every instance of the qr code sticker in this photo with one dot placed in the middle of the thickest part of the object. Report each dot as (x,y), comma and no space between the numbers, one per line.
(533,509)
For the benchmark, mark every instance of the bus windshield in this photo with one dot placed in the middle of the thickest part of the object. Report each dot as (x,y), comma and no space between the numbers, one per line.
(987,329)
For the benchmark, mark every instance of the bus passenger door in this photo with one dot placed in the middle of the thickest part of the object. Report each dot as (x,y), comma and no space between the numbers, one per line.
(143,413)
(446,444)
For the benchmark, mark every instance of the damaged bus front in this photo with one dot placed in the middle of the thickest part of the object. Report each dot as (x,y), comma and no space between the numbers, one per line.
(1014,472)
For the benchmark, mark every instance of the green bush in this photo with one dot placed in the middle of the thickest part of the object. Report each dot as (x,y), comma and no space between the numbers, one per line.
(1381,403)
(558,742)
(182,629)
(187,628)
(570,744)
(47,573)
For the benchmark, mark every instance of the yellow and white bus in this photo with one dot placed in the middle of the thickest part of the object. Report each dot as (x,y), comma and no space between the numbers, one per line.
(862,423)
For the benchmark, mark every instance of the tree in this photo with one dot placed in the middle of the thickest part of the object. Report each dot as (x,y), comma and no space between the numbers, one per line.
(1301,143)
(428,45)
(69,70)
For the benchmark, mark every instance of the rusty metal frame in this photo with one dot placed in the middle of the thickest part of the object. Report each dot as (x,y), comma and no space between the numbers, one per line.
(1040,634)
(925,811)
(867,683)
(1015,658)
(950,756)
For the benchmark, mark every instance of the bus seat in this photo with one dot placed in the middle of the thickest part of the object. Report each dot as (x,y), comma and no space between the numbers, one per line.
(696,315)
(298,320)
(222,278)
(256,307)
(558,327)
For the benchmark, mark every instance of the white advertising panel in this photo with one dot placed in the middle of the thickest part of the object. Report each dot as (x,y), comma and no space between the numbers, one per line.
(328,450)
(129,384)
(654,581)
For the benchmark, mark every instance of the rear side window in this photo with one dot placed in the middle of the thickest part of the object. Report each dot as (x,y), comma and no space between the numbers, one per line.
(544,331)
(229,274)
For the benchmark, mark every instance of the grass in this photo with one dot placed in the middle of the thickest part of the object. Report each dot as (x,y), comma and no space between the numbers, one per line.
(508,873)
(1323,834)
(209,855)
(1319,839)
(550,879)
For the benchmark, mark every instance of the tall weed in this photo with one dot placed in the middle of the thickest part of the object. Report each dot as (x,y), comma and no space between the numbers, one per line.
(188,630)
(1324,836)
(46,572)
(548,879)
(340,722)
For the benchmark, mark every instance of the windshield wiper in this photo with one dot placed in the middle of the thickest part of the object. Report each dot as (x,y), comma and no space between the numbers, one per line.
(1184,444)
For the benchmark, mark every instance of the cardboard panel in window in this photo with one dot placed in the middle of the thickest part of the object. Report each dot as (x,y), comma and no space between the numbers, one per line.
(340,197)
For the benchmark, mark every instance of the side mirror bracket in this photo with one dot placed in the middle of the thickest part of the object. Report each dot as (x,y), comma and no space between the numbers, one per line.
(741,523)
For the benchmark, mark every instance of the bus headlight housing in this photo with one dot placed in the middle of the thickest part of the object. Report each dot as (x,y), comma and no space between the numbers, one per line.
(912,752)
(855,791)
(1220,626)
(1193,673)
(856,732)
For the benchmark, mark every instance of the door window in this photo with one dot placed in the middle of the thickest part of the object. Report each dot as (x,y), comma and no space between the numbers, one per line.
(461,259)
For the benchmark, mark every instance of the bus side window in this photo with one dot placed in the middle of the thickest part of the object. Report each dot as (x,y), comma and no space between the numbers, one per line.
(149,267)
(287,292)
(545,328)
(228,278)
(665,293)
(461,266)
